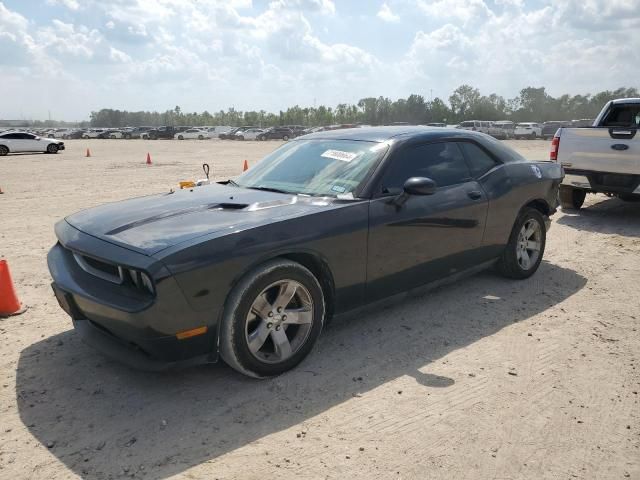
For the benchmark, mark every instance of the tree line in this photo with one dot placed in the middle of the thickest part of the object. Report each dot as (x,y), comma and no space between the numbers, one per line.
(465,103)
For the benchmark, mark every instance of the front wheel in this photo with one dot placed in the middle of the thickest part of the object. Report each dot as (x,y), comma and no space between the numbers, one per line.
(180,137)
(523,254)
(52,148)
(571,198)
(200,137)
(272,319)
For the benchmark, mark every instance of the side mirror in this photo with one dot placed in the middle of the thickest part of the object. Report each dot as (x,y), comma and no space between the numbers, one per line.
(420,186)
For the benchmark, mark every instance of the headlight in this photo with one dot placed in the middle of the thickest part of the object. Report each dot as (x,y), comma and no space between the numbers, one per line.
(137,279)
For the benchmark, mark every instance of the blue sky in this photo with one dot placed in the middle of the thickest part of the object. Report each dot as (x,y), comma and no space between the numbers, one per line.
(73,56)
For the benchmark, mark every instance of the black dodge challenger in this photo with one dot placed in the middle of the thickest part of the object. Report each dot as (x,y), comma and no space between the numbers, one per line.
(252,268)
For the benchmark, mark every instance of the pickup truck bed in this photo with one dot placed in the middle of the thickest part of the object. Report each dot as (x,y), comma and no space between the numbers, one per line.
(601,159)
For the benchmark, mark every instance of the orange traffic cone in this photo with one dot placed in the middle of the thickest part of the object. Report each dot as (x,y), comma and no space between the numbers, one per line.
(148,159)
(1,192)
(88,153)
(9,304)
(245,167)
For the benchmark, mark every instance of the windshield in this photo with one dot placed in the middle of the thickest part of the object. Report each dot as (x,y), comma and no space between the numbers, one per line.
(468,124)
(315,167)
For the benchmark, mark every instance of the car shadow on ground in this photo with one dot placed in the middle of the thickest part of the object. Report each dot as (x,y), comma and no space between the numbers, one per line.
(98,417)
(610,216)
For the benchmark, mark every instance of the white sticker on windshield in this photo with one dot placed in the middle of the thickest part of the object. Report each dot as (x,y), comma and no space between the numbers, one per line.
(340,155)
(338,188)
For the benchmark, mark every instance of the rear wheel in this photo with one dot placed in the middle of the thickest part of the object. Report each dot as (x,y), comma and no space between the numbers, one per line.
(523,254)
(533,135)
(272,319)
(571,198)
(200,137)
(3,150)
(285,137)
(180,137)
(52,148)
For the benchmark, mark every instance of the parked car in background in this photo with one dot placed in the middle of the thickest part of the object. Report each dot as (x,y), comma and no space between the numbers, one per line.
(550,128)
(296,130)
(13,142)
(507,126)
(221,129)
(231,134)
(436,124)
(121,133)
(496,132)
(193,133)
(249,134)
(276,133)
(93,133)
(165,133)
(604,158)
(138,132)
(528,130)
(475,125)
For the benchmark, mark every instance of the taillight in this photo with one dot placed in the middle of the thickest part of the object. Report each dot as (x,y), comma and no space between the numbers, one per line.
(555,145)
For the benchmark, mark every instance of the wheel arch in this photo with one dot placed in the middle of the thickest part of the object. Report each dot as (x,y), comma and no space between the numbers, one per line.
(312,261)
(539,204)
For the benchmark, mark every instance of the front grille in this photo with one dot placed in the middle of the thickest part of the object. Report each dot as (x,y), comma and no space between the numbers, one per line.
(117,274)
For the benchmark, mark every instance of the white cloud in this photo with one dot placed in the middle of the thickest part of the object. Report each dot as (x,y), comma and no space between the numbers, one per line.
(386,14)
(118,56)
(70,4)
(214,53)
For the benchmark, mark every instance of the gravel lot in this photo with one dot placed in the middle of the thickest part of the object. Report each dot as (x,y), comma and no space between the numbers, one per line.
(486,378)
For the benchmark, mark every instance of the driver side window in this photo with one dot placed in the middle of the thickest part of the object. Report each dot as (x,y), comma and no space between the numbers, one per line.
(441,162)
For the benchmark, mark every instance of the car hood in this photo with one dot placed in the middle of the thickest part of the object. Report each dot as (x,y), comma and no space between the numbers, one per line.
(150,224)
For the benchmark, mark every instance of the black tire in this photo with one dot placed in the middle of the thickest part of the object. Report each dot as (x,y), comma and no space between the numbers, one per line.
(533,135)
(180,137)
(234,343)
(509,264)
(3,150)
(200,137)
(52,148)
(285,137)
(571,198)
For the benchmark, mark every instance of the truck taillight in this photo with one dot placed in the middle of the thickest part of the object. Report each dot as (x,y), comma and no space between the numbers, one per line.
(555,145)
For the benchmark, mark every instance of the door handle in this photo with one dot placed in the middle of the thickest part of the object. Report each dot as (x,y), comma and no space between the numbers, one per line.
(474,194)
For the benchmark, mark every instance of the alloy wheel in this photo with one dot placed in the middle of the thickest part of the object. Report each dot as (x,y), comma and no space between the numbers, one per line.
(529,244)
(279,321)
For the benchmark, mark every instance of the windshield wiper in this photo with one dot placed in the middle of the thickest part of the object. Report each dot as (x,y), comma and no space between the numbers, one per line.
(269,189)
(232,182)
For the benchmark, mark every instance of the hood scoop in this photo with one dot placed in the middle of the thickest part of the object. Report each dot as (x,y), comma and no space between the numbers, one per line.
(176,213)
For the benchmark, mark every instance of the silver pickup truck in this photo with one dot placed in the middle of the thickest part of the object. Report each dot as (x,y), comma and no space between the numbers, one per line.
(604,158)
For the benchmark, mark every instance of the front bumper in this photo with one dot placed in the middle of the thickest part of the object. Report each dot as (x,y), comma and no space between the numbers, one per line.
(133,328)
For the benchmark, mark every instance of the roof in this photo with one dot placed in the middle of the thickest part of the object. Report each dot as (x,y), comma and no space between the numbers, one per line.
(383,134)
(618,101)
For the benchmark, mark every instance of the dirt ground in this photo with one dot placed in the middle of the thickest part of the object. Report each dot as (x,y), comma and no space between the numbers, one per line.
(486,378)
